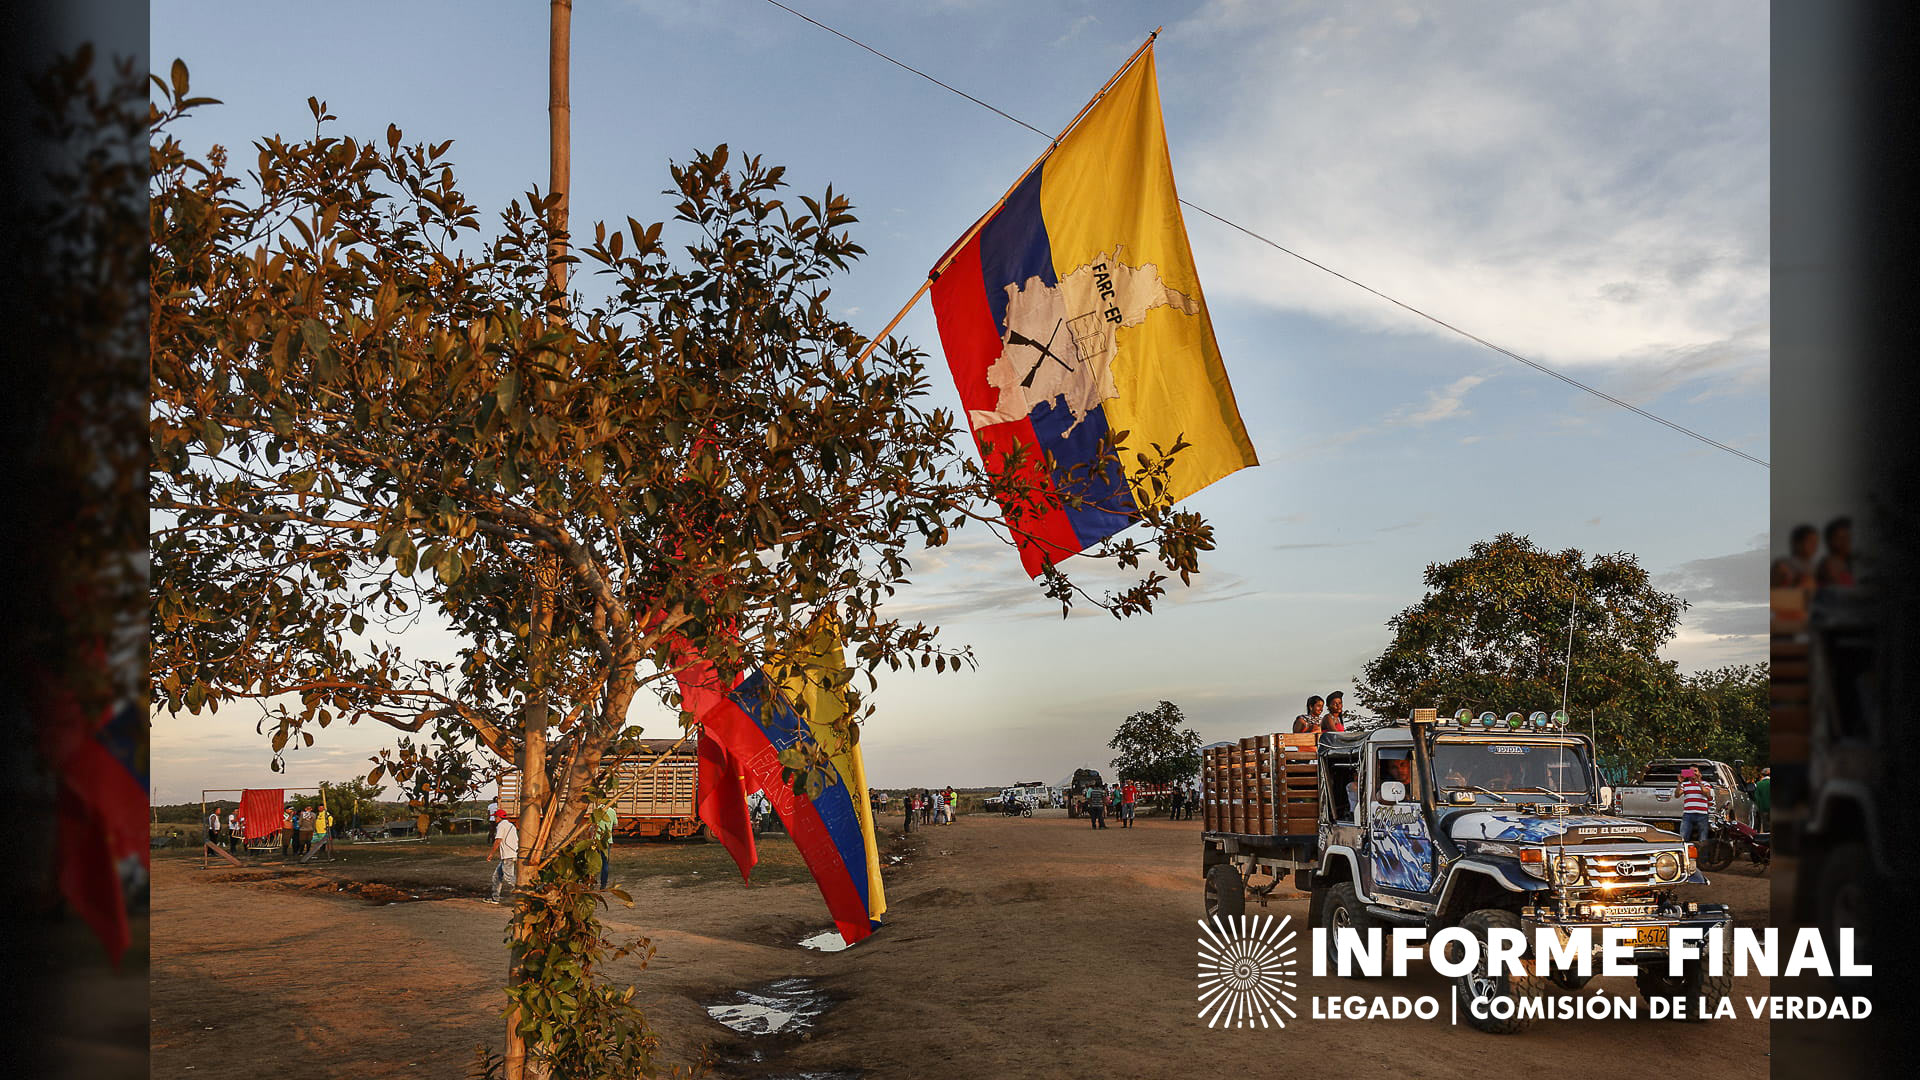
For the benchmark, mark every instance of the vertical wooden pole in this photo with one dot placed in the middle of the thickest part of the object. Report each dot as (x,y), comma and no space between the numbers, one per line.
(533,748)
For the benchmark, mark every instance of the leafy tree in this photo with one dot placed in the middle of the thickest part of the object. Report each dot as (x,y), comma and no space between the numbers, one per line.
(1156,747)
(348,799)
(1727,714)
(1491,633)
(438,775)
(367,411)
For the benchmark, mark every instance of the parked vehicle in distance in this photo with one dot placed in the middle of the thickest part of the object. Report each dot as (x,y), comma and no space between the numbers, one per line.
(1652,798)
(1076,790)
(1728,840)
(654,791)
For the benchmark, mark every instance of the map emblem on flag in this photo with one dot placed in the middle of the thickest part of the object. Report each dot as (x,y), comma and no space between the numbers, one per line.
(1073,362)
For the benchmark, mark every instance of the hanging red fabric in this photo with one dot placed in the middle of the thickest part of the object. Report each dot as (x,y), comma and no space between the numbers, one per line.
(265,810)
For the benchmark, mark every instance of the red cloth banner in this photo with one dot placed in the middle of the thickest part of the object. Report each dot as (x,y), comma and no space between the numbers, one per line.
(265,810)
(723,804)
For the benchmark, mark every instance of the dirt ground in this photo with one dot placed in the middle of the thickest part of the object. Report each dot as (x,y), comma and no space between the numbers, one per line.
(1013,947)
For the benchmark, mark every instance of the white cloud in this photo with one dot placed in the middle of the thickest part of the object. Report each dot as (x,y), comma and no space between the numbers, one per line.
(1585,184)
(1446,402)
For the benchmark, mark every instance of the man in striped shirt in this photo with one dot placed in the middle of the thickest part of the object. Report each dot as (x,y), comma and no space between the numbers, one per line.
(1696,801)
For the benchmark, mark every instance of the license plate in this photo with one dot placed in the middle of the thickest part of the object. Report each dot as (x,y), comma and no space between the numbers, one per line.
(1650,937)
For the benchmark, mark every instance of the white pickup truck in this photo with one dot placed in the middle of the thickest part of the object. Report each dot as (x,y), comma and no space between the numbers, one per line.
(1653,800)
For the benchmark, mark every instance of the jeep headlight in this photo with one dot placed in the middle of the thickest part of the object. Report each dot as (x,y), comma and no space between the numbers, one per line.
(1666,866)
(1566,868)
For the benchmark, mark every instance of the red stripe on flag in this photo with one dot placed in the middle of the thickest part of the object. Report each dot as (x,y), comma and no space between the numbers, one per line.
(971,340)
(723,805)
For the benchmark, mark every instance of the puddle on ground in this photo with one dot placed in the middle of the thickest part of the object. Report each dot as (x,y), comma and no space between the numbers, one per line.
(786,1007)
(825,941)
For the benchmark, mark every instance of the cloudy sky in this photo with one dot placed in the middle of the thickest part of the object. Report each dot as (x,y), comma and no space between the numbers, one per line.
(1584,184)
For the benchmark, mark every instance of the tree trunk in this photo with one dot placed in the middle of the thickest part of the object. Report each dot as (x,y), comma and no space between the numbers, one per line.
(536,793)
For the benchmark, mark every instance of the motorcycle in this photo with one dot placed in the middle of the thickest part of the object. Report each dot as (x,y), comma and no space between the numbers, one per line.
(1017,807)
(1728,839)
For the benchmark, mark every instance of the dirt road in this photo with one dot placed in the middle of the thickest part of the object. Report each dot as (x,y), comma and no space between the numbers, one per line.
(1013,947)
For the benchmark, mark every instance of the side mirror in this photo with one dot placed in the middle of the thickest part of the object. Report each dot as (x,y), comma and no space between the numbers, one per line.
(1606,796)
(1393,791)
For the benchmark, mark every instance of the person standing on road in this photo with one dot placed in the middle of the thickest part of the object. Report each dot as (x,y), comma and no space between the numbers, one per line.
(1129,791)
(505,849)
(1173,804)
(236,830)
(1097,806)
(1763,800)
(952,802)
(306,831)
(1696,801)
(216,829)
(906,808)
(322,826)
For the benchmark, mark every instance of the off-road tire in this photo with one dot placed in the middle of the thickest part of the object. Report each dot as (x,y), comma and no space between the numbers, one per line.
(1701,992)
(1519,987)
(1226,891)
(1843,897)
(1342,908)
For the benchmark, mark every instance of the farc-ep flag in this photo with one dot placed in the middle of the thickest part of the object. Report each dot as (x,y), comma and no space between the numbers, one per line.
(1074,313)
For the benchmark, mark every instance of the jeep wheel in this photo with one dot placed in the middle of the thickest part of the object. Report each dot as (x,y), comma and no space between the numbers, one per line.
(1343,911)
(1843,897)
(1699,992)
(1482,984)
(1226,893)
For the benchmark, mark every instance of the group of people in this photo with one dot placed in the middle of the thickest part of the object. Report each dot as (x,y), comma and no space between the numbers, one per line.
(1118,801)
(300,828)
(1806,568)
(924,807)
(1323,714)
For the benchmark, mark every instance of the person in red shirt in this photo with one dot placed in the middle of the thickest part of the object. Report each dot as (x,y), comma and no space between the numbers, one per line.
(1129,791)
(1696,802)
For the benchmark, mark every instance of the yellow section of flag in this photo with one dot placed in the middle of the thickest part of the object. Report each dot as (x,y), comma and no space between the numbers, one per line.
(1108,199)
(813,685)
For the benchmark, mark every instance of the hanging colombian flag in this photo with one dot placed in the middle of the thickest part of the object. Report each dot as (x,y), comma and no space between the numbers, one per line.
(762,716)
(1073,312)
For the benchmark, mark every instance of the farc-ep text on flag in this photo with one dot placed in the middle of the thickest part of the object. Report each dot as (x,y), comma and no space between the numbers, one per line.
(1072,313)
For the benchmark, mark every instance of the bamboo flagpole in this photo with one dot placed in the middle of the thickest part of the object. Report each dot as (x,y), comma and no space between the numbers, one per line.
(953,252)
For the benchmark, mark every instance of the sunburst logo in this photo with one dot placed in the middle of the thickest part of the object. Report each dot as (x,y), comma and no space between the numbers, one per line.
(1247,971)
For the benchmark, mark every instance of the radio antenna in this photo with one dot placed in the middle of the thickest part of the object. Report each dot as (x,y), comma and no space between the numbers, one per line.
(1566,682)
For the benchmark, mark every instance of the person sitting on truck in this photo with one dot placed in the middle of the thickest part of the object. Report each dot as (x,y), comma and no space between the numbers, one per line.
(1336,702)
(1836,568)
(1311,720)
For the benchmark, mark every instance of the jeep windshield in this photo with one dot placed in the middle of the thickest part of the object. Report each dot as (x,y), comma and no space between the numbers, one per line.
(1522,770)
